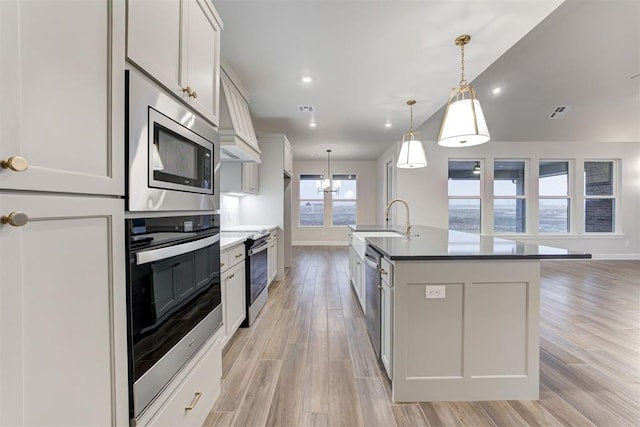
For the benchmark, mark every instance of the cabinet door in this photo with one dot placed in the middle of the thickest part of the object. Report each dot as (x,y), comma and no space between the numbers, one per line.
(272,256)
(251,178)
(386,328)
(235,303)
(154,40)
(62,103)
(202,65)
(288,158)
(63,359)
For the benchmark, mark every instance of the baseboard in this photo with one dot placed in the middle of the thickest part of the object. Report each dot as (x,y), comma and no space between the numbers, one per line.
(619,257)
(319,243)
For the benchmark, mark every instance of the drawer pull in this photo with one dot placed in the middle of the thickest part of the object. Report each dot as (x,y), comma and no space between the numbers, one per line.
(383,271)
(238,255)
(197,397)
(221,264)
(231,277)
(16,219)
(15,163)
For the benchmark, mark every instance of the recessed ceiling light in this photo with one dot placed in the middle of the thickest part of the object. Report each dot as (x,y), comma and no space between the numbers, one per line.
(387,125)
(307,79)
(313,124)
(496,90)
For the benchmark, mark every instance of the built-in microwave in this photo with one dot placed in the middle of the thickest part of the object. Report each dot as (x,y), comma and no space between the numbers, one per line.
(173,154)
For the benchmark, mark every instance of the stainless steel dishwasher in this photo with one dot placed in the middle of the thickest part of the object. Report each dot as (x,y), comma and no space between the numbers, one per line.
(372,294)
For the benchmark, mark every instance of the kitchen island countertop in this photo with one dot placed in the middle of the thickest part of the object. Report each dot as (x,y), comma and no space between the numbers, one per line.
(430,243)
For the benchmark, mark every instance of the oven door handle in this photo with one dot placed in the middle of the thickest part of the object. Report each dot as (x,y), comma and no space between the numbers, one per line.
(144,257)
(258,249)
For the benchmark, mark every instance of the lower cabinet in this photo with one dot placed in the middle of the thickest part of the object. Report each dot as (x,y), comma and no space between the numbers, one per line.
(196,391)
(358,278)
(272,257)
(63,358)
(232,273)
(386,317)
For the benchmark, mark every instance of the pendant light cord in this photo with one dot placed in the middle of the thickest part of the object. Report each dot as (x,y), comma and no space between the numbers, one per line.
(463,82)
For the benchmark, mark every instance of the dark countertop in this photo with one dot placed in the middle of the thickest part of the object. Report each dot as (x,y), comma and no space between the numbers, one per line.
(430,243)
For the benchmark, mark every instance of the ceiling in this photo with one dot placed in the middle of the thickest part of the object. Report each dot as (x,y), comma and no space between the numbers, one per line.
(367,58)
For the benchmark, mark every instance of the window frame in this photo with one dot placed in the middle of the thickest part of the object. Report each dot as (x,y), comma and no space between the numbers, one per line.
(333,175)
(527,202)
(481,197)
(321,199)
(615,196)
(570,197)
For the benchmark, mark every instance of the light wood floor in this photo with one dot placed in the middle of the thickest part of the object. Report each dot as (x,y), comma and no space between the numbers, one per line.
(307,360)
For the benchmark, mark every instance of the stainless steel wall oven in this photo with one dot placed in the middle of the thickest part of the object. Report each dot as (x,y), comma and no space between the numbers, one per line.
(173,297)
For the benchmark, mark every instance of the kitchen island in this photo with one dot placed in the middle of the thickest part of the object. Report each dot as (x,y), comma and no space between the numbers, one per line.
(459,313)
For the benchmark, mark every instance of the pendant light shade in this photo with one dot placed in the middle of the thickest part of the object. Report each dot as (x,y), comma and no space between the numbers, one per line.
(412,154)
(463,124)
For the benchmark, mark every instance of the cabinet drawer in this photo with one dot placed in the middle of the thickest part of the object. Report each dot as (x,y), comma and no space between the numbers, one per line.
(236,254)
(191,402)
(386,272)
(224,260)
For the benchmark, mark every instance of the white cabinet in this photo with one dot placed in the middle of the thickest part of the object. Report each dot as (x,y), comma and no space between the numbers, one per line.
(232,272)
(272,257)
(62,103)
(288,158)
(193,392)
(178,43)
(386,317)
(239,177)
(62,312)
(63,357)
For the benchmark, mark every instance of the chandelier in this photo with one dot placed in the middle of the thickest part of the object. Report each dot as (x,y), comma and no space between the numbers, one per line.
(328,185)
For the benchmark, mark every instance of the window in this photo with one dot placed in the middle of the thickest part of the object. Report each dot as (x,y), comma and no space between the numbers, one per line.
(554,202)
(599,196)
(311,213)
(464,195)
(509,197)
(344,203)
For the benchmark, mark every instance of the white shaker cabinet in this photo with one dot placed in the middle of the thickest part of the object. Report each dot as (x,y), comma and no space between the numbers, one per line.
(272,257)
(288,158)
(240,177)
(177,42)
(62,102)
(386,317)
(232,278)
(62,311)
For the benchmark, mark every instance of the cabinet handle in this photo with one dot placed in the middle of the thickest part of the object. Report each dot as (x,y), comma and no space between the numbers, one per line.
(15,163)
(221,264)
(231,277)
(379,286)
(16,219)
(383,271)
(190,92)
(197,397)
(238,255)
(273,246)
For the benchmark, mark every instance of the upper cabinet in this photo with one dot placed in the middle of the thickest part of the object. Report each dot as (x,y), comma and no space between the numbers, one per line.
(177,42)
(237,137)
(62,103)
(288,158)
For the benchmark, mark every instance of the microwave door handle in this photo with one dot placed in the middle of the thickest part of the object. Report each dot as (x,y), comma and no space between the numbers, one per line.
(144,257)
(258,249)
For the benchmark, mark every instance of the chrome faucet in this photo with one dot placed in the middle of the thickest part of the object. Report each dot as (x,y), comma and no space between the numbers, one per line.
(386,213)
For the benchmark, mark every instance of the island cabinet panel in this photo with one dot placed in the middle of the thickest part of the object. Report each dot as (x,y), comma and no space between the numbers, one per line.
(478,342)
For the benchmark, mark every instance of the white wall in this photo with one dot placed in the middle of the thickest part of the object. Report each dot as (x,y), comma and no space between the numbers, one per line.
(426,189)
(367,200)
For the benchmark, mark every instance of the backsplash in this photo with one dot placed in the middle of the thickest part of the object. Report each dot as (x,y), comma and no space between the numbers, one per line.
(229,211)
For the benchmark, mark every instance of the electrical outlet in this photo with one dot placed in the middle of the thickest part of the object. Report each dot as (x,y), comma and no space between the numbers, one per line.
(435,292)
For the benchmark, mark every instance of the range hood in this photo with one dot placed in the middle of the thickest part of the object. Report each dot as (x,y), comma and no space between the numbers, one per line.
(238,140)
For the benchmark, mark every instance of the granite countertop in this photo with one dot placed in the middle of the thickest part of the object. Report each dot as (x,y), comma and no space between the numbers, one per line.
(251,227)
(430,243)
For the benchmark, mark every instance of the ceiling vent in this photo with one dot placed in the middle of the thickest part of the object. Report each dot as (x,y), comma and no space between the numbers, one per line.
(559,112)
(305,108)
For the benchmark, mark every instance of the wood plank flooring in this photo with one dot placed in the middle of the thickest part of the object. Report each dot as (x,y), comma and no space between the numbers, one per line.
(307,360)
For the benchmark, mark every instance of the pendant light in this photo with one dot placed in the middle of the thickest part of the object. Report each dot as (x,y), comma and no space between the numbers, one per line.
(328,185)
(463,124)
(476,169)
(412,153)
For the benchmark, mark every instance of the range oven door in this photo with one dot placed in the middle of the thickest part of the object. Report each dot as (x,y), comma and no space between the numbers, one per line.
(174,305)
(258,264)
